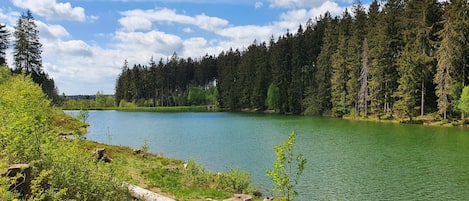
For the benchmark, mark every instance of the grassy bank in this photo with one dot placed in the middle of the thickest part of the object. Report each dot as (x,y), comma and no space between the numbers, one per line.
(169,177)
(163,175)
(428,120)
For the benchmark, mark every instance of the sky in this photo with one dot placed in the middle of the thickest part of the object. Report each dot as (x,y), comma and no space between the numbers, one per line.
(85,42)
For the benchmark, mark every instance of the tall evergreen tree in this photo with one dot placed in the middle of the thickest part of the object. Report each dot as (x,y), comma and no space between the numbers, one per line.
(321,103)
(28,49)
(363,79)
(376,39)
(298,65)
(450,74)
(4,43)
(27,55)
(354,55)
(340,71)
(385,43)
(416,59)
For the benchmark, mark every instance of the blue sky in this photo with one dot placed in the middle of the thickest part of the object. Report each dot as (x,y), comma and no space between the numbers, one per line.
(85,42)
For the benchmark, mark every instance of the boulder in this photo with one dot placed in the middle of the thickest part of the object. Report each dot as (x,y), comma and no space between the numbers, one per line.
(100,153)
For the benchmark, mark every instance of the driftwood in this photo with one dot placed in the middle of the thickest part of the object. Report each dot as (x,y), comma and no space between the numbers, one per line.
(240,197)
(146,195)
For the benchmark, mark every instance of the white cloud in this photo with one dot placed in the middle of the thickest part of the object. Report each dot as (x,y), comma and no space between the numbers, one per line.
(52,10)
(170,16)
(9,17)
(51,32)
(133,23)
(187,30)
(296,3)
(258,4)
(153,41)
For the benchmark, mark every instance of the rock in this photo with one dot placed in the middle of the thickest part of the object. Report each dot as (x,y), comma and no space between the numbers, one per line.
(268,198)
(240,197)
(100,153)
(138,151)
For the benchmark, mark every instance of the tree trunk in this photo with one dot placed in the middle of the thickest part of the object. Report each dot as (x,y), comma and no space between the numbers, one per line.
(422,97)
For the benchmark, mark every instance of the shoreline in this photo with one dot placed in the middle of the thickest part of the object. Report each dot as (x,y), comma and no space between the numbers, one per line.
(419,120)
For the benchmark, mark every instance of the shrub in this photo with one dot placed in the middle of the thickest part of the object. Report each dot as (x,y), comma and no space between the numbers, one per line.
(60,169)
(234,181)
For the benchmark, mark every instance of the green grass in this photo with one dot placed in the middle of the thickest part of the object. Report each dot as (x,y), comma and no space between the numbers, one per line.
(160,174)
(170,181)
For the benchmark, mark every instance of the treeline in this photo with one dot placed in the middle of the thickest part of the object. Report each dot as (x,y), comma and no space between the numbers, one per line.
(398,58)
(175,82)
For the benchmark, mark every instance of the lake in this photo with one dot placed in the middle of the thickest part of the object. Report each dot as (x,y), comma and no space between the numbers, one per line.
(347,160)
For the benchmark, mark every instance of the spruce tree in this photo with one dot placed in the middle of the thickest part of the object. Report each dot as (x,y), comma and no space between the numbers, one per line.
(354,55)
(4,43)
(28,49)
(363,79)
(450,73)
(298,63)
(321,103)
(27,55)
(385,46)
(340,71)
(377,40)
(416,59)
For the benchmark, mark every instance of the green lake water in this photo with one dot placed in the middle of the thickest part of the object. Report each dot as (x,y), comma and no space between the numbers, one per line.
(348,160)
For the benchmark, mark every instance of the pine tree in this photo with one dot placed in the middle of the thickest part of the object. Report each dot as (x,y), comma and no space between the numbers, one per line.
(385,43)
(340,72)
(28,49)
(450,76)
(322,101)
(295,91)
(363,79)
(354,53)
(4,43)
(416,59)
(27,55)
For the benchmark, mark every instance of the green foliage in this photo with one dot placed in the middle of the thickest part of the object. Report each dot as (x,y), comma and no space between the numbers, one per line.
(61,169)
(287,168)
(125,104)
(145,146)
(194,175)
(464,100)
(273,96)
(26,120)
(83,115)
(196,96)
(5,73)
(234,181)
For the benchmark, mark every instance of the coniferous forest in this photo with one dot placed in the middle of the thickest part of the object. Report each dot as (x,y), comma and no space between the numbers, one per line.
(398,58)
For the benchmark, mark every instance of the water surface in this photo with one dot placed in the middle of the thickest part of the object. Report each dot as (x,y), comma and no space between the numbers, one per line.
(346,159)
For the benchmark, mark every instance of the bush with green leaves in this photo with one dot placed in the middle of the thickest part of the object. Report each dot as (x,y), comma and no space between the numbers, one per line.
(463,104)
(235,181)
(288,168)
(61,170)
